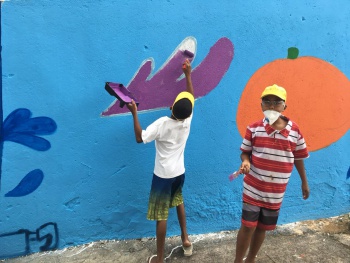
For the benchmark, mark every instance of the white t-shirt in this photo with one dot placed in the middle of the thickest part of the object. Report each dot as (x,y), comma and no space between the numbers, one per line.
(170,138)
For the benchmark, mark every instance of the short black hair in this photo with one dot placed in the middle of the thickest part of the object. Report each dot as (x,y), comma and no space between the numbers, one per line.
(182,109)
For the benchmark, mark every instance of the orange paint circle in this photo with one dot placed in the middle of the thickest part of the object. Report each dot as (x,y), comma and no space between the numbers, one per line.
(318,98)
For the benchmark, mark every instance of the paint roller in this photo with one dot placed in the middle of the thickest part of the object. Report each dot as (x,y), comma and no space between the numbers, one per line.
(187,54)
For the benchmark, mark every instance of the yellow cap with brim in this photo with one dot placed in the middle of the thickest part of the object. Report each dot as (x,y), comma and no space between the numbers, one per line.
(185,95)
(275,90)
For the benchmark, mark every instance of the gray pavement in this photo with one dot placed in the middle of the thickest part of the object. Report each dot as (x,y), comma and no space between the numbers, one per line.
(323,240)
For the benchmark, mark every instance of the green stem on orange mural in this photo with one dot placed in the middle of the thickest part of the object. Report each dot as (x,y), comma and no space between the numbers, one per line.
(293,53)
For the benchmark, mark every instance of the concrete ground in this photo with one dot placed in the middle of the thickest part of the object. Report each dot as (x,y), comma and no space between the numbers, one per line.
(324,240)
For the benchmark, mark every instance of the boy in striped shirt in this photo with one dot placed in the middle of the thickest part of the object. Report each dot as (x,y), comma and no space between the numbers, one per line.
(270,148)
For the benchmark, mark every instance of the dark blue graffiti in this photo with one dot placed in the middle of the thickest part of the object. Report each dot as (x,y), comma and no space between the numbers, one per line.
(20,127)
(23,241)
(28,184)
(348,176)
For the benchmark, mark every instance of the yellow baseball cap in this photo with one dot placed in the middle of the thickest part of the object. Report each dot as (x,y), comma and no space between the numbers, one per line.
(185,95)
(182,109)
(275,90)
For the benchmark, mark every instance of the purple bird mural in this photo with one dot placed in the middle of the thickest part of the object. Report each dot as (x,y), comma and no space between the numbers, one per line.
(168,80)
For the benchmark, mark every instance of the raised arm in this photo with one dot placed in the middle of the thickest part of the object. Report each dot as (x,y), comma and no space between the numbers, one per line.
(186,68)
(137,127)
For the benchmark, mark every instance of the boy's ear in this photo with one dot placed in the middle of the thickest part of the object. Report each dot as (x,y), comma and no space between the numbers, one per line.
(285,107)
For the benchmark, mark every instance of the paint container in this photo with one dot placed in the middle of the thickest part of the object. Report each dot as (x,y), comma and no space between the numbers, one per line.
(121,93)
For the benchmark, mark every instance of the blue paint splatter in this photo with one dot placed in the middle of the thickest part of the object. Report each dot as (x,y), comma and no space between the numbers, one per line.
(28,184)
(19,127)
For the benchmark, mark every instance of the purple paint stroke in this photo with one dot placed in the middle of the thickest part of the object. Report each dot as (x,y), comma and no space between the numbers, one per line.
(160,90)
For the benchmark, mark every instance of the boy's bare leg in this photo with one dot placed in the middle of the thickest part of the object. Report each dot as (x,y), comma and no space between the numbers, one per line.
(160,232)
(181,216)
(243,241)
(255,244)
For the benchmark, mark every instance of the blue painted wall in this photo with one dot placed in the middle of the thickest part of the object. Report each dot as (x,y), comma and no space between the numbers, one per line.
(94,180)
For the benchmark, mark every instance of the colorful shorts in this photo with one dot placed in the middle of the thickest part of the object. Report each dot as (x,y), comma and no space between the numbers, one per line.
(165,193)
(263,218)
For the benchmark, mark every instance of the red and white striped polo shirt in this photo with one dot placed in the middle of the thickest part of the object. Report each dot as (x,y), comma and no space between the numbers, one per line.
(272,158)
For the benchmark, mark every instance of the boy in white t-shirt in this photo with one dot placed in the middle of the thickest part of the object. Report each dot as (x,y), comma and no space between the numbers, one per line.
(170,135)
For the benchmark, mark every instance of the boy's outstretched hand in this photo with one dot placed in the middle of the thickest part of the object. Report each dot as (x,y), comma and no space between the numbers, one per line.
(137,127)
(132,107)
(186,67)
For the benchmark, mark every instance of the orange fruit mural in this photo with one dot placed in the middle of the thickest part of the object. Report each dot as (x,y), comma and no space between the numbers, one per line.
(318,97)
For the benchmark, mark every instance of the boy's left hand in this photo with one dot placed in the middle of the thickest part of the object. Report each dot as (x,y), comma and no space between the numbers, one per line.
(305,190)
